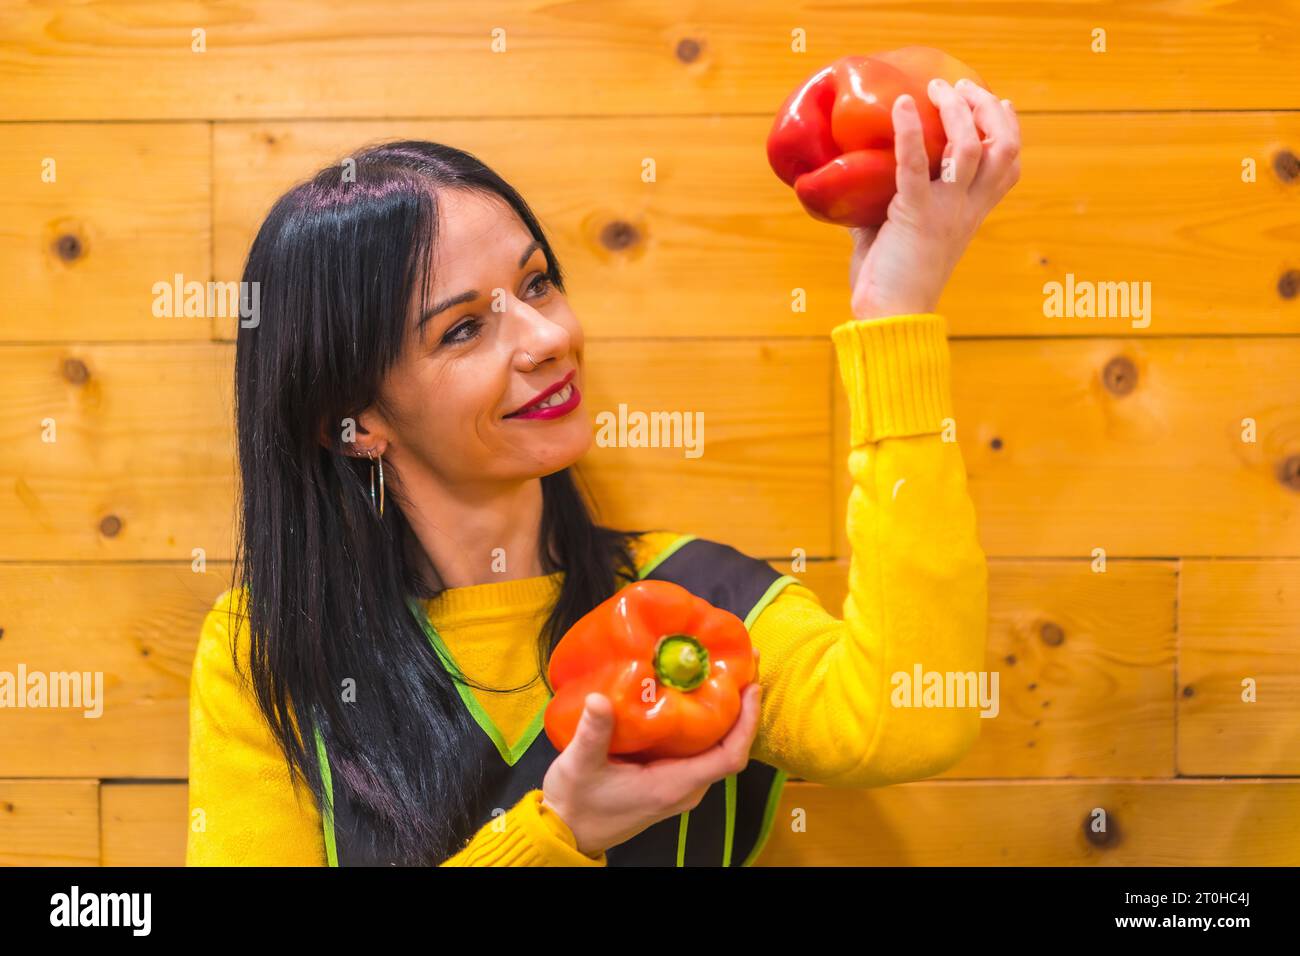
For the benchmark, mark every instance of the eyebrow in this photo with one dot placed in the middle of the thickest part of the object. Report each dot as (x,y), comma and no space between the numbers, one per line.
(472,294)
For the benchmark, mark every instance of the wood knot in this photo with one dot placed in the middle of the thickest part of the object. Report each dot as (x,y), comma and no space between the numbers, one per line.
(618,235)
(1051,634)
(68,247)
(1189,691)
(1289,284)
(75,371)
(1120,375)
(1288,472)
(688,49)
(110,526)
(1109,837)
(1286,165)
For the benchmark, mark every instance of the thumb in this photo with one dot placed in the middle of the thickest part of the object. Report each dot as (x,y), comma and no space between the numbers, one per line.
(595,729)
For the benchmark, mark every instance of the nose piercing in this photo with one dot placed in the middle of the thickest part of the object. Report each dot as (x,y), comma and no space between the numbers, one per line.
(533,360)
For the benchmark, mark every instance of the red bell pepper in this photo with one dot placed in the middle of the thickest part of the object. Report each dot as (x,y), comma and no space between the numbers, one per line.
(833,138)
(673,665)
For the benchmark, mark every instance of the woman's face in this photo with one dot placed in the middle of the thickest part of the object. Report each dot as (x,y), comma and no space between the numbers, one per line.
(466,363)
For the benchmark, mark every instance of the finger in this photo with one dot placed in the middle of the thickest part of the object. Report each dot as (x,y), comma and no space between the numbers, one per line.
(1001,145)
(963,150)
(912,165)
(595,728)
(1012,118)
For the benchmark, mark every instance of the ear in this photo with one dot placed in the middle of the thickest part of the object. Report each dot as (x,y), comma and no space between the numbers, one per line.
(327,433)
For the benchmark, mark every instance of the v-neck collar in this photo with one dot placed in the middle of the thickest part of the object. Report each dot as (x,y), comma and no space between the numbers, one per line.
(508,753)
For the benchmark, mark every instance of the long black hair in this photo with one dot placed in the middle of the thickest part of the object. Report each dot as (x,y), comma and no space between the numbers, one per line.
(326,580)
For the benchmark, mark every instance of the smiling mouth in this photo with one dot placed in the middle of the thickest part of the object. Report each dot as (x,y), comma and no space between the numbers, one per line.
(555,398)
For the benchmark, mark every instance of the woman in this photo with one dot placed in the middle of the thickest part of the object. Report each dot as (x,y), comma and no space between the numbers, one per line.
(412,545)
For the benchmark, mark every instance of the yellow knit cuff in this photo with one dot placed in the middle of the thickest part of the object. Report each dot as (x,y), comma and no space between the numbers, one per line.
(897,373)
(552,835)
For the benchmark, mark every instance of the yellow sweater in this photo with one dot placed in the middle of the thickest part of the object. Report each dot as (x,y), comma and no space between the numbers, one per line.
(917,595)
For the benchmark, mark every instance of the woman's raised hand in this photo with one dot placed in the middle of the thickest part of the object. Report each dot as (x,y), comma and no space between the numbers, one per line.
(901,266)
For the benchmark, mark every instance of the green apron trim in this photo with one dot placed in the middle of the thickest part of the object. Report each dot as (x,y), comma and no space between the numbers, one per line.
(509,754)
(663,555)
(729,837)
(768,597)
(327,817)
(683,818)
(769,812)
(778,782)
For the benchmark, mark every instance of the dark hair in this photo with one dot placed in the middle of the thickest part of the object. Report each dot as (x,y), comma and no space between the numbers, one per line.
(327,580)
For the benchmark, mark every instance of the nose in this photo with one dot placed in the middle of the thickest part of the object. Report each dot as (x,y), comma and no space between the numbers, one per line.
(539,337)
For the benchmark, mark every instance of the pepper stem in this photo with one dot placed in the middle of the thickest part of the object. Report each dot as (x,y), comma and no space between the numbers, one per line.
(681,662)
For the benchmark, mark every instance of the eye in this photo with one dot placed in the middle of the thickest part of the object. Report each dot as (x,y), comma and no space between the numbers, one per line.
(455,337)
(546,283)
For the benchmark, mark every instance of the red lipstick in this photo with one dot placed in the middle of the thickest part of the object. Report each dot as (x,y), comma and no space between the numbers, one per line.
(529,410)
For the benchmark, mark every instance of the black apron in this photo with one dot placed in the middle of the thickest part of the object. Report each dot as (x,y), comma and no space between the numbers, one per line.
(730,825)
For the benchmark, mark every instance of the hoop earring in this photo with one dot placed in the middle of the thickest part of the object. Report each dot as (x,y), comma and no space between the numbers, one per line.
(381,481)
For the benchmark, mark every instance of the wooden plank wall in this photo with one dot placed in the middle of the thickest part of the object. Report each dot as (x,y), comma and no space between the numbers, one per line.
(1121,690)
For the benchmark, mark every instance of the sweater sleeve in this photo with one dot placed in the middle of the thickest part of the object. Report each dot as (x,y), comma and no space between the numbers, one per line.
(244,810)
(917,588)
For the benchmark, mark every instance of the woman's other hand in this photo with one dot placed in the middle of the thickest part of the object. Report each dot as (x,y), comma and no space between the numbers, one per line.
(607,800)
(901,266)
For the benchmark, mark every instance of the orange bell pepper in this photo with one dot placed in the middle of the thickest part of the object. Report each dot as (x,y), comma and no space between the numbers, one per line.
(673,665)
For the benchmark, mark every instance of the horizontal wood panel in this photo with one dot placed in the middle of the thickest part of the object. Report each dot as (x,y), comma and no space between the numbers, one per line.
(148,434)
(133,628)
(1153,206)
(719,244)
(144,824)
(1148,823)
(990,823)
(49,822)
(145,431)
(142,462)
(1239,620)
(712,248)
(398,58)
(1085,666)
(128,206)
(1134,447)
(766,441)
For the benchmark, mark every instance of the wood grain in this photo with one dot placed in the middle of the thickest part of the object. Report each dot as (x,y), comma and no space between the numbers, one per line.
(49,822)
(1039,823)
(126,206)
(1239,621)
(1085,666)
(143,824)
(1137,448)
(717,246)
(403,58)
